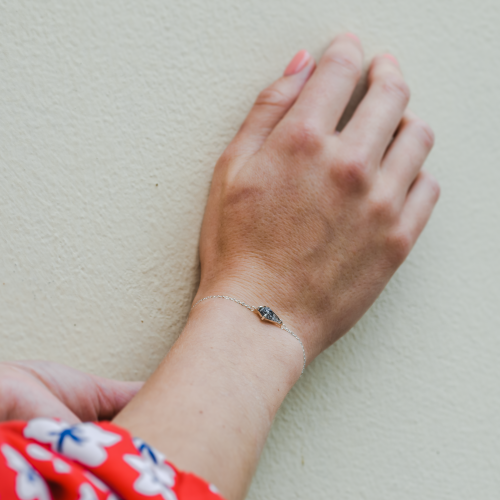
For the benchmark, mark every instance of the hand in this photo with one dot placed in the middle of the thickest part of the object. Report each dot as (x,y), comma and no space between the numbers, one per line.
(311,222)
(30,389)
(304,220)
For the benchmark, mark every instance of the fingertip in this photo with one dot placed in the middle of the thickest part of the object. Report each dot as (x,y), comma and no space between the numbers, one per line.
(433,185)
(128,387)
(135,386)
(353,36)
(113,394)
(391,58)
(381,61)
(348,41)
(299,62)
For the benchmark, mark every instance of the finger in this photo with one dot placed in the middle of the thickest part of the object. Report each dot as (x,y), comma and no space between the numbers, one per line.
(407,154)
(50,407)
(273,103)
(111,396)
(421,199)
(24,396)
(377,117)
(87,396)
(326,94)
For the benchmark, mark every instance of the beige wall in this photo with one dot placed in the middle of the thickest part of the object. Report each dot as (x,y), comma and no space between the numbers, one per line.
(112,115)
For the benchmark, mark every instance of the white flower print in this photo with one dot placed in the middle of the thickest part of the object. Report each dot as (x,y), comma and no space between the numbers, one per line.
(100,485)
(29,484)
(87,492)
(213,489)
(84,443)
(156,477)
(95,481)
(40,453)
(61,466)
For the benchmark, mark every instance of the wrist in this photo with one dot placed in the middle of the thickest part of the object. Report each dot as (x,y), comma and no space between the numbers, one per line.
(221,385)
(257,290)
(262,349)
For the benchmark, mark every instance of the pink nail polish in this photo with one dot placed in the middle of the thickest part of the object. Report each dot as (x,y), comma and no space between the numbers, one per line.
(298,63)
(392,59)
(353,36)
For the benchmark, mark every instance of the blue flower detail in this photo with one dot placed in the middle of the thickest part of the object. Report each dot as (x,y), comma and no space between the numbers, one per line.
(71,432)
(154,478)
(29,483)
(32,475)
(144,448)
(85,443)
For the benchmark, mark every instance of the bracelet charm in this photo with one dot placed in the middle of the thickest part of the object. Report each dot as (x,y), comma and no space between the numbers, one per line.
(266,314)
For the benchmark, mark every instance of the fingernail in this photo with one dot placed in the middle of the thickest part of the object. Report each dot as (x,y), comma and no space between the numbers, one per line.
(298,63)
(353,36)
(392,58)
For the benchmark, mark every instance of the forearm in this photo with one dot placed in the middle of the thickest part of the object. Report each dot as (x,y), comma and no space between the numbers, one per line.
(210,405)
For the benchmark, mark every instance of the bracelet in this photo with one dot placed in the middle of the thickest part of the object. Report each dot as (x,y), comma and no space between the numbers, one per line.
(266,314)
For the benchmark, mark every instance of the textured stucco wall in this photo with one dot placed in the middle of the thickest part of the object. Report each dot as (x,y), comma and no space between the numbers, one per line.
(112,115)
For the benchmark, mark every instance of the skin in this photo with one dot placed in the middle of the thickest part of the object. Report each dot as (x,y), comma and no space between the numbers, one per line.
(30,389)
(310,222)
(306,220)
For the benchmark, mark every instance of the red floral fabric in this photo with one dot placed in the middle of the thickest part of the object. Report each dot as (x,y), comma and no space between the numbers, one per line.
(45,459)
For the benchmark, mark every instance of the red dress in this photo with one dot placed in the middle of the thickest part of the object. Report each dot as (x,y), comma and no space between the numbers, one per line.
(46,459)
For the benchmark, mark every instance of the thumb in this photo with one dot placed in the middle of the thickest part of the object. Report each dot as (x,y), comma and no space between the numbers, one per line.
(111,396)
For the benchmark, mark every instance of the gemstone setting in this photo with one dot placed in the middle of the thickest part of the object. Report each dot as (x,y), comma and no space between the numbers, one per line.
(268,314)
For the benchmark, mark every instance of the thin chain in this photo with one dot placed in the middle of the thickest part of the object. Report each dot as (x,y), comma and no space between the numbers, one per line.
(250,308)
(283,327)
(253,309)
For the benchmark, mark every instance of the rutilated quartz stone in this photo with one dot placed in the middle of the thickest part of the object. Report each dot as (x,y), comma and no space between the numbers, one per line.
(268,314)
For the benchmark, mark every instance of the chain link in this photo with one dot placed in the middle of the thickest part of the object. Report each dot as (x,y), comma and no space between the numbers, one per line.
(283,327)
(253,309)
(250,308)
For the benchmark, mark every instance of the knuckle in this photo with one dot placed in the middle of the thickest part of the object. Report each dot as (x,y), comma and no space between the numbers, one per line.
(224,160)
(399,244)
(272,96)
(242,195)
(343,63)
(383,208)
(306,136)
(433,185)
(228,156)
(425,133)
(396,86)
(353,175)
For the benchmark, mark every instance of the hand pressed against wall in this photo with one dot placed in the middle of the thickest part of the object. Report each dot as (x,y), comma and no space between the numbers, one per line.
(309,221)
(304,220)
